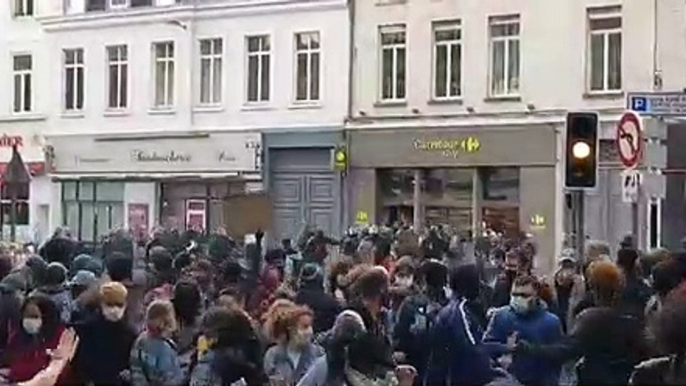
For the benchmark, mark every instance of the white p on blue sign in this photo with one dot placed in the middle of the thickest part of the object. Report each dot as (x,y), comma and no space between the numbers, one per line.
(658,103)
(638,104)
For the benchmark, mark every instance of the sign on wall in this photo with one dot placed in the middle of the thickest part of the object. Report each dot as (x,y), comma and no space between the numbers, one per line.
(203,153)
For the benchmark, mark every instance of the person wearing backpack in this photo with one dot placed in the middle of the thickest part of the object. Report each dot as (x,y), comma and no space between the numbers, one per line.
(417,314)
(154,359)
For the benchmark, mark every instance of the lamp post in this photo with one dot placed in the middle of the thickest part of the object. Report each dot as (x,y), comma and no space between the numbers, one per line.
(14,176)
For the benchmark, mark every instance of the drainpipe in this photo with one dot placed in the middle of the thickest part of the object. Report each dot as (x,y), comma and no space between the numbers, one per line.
(346,189)
(351,58)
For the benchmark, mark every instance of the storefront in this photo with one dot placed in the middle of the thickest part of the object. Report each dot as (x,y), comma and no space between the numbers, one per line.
(503,179)
(303,186)
(138,181)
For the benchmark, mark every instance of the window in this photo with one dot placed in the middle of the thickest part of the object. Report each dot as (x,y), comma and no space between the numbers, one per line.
(96,5)
(141,3)
(504,35)
(118,4)
(23,8)
(117,64)
(447,60)
(605,49)
(92,209)
(164,74)
(22,66)
(392,62)
(258,68)
(307,56)
(22,205)
(73,79)
(210,71)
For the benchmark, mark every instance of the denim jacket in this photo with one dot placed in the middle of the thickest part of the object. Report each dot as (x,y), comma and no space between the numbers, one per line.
(277,362)
(155,362)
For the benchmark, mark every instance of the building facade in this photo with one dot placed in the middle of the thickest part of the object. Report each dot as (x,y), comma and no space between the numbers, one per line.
(459,108)
(161,110)
(23,66)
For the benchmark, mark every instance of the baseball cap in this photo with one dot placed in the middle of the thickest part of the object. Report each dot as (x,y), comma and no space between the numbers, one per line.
(568,255)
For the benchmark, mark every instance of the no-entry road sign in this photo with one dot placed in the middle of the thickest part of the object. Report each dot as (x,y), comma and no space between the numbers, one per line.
(630,139)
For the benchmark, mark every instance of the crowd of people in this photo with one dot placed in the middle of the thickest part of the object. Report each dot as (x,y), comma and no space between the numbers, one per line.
(392,308)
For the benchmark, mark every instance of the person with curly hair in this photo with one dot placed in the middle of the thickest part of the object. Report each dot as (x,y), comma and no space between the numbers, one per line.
(293,354)
(234,351)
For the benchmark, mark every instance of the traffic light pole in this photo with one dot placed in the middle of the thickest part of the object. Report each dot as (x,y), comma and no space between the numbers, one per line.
(636,217)
(578,221)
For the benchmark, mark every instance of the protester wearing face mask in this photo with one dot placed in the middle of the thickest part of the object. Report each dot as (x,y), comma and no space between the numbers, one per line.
(288,361)
(106,339)
(568,289)
(154,359)
(503,284)
(527,318)
(28,347)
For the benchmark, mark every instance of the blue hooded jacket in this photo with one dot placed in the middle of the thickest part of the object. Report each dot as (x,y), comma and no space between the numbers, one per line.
(538,327)
(457,357)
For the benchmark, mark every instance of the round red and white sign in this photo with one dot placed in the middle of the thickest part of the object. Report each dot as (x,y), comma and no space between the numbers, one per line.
(630,139)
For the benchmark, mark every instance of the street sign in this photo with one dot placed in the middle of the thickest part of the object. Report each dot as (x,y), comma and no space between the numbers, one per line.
(631,180)
(663,104)
(629,139)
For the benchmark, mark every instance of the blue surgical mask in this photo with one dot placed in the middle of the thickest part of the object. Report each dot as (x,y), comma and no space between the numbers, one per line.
(520,305)
(32,325)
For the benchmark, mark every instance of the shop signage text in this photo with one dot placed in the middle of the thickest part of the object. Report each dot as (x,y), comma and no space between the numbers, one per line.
(226,157)
(153,156)
(11,141)
(449,147)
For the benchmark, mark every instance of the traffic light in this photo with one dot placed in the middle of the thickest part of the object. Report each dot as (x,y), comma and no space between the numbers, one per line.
(581,156)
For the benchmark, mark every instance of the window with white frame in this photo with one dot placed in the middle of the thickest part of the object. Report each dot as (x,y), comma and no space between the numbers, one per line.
(74,79)
(259,53)
(118,77)
(393,51)
(504,52)
(164,74)
(211,71)
(22,67)
(605,49)
(447,60)
(307,56)
(23,8)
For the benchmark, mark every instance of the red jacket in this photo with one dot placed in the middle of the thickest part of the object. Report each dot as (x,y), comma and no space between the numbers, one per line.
(28,358)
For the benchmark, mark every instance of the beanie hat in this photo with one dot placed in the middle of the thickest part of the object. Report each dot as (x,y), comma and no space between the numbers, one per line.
(309,272)
(56,274)
(113,293)
(84,262)
(83,278)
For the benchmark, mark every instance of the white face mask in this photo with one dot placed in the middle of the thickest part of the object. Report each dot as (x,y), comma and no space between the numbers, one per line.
(113,314)
(32,325)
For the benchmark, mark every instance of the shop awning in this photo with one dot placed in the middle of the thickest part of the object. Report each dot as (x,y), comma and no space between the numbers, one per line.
(35,168)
